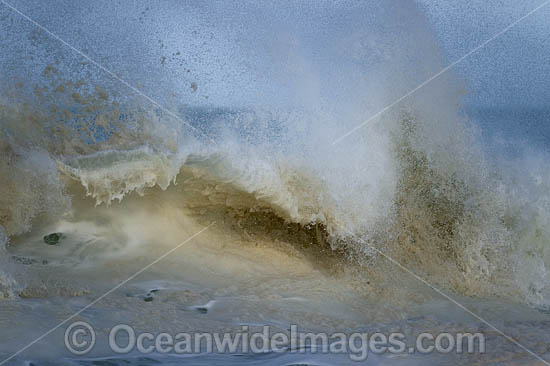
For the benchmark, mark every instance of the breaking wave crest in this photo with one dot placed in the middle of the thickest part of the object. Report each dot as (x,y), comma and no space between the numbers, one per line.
(439,209)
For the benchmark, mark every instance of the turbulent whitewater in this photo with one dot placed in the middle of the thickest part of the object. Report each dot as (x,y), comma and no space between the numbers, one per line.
(302,221)
(419,189)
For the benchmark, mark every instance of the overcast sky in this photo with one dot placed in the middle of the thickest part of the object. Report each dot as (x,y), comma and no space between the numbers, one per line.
(169,45)
(512,70)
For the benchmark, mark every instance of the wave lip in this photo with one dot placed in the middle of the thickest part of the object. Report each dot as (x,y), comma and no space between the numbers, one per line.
(110,175)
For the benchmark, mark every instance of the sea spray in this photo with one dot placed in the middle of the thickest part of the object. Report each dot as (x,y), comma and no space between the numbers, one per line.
(415,181)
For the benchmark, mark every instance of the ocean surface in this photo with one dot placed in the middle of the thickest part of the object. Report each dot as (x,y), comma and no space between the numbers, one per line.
(130,128)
